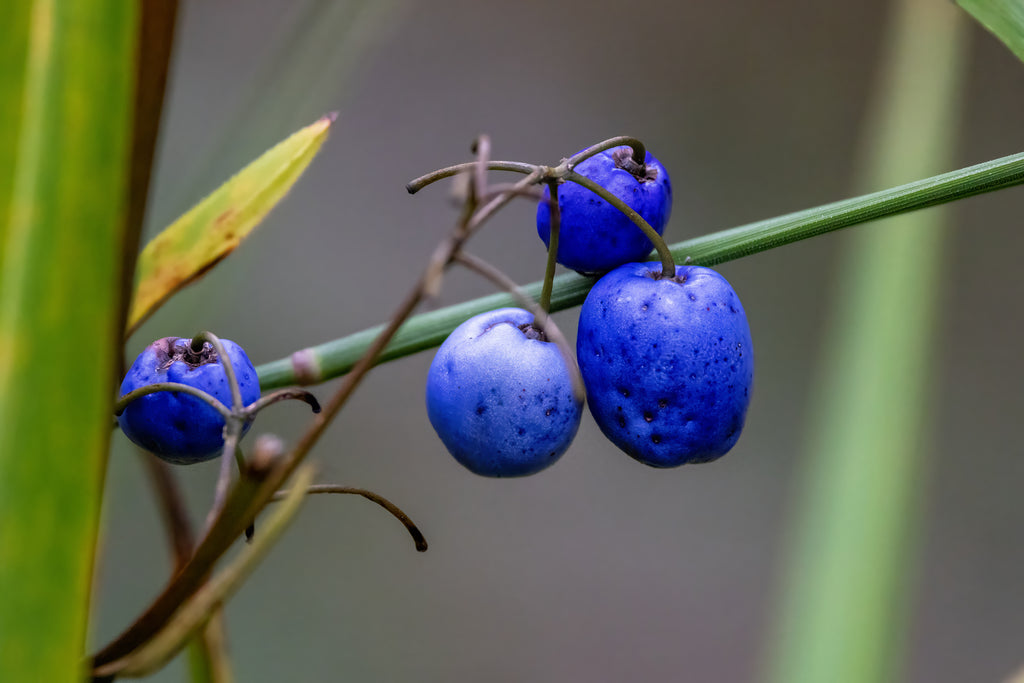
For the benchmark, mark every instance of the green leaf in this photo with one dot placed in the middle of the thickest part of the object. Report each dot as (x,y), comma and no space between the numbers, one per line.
(13,51)
(212,229)
(1003,18)
(63,188)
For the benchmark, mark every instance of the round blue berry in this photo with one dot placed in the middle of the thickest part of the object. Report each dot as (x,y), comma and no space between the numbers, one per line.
(668,363)
(501,397)
(177,427)
(594,236)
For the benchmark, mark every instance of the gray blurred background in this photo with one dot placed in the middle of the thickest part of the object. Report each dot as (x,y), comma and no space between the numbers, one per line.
(599,569)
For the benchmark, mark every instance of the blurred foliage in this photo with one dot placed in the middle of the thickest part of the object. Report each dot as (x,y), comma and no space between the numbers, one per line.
(308,72)
(1004,18)
(845,612)
(65,159)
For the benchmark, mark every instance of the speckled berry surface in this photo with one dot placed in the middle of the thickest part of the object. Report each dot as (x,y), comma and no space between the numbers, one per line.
(501,400)
(668,364)
(594,236)
(177,427)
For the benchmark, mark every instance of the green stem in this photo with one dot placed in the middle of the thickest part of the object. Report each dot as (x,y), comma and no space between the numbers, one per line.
(429,329)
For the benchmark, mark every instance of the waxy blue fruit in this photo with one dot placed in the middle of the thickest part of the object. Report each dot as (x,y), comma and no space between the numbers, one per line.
(594,236)
(668,363)
(501,397)
(174,426)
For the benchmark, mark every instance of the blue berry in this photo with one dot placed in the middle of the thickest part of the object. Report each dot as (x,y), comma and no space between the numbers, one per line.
(594,236)
(176,427)
(501,397)
(668,363)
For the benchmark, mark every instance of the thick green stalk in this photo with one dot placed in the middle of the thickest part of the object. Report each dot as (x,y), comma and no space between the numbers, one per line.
(62,218)
(844,610)
(428,330)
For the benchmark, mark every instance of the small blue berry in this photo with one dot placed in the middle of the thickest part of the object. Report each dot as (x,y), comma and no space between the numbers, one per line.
(668,363)
(501,397)
(594,236)
(176,427)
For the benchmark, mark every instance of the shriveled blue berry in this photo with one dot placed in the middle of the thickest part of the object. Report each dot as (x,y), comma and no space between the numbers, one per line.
(594,236)
(177,427)
(668,363)
(500,396)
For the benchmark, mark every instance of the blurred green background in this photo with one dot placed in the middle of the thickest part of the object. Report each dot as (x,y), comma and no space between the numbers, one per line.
(600,568)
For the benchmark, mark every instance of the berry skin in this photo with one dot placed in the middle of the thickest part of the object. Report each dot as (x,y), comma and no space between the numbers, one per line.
(501,397)
(668,363)
(594,236)
(176,427)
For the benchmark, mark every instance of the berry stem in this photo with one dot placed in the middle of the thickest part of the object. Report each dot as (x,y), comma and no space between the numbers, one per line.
(549,269)
(229,371)
(541,320)
(123,401)
(639,152)
(418,184)
(232,433)
(668,265)
(283,395)
(396,512)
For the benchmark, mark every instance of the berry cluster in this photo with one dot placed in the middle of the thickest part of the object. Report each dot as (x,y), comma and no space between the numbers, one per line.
(666,357)
(663,354)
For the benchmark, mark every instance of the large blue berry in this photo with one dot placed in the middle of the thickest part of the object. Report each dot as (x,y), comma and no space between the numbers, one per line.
(177,427)
(501,397)
(594,236)
(668,363)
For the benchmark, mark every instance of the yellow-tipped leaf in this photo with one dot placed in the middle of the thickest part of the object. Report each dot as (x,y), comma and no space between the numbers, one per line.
(214,227)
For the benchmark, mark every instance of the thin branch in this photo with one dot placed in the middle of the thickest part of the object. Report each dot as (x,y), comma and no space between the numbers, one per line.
(197,610)
(553,235)
(258,486)
(418,184)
